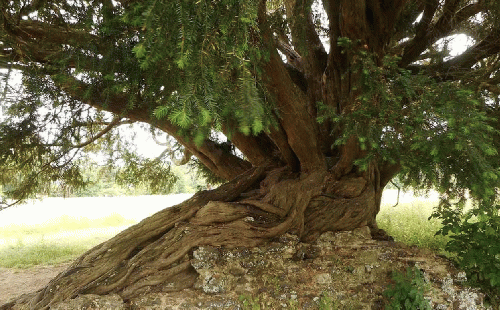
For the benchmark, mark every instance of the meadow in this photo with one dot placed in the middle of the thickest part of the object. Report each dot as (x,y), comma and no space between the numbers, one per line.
(408,221)
(57,230)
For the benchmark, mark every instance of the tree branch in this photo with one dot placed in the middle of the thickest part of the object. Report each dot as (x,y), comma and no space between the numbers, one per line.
(35,30)
(292,103)
(305,37)
(387,172)
(428,35)
(186,156)
(212,155)
(461,65)
(113,124)
(489,46)
(292,57)
(259,150)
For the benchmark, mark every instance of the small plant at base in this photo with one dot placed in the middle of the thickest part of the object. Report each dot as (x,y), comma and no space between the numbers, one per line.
(293,304)
(250,303)
(407,293)
(326,302)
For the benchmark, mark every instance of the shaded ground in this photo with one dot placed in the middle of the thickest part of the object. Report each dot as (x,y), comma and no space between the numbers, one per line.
(14,282)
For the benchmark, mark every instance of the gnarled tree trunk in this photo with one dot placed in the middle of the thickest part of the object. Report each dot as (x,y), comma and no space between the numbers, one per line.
(295,177)
(262,203)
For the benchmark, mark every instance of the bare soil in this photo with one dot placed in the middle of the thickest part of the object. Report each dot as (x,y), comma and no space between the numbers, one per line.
(15,282)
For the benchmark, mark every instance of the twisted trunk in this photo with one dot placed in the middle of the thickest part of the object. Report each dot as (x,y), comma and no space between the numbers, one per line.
(294,178)
(262,203)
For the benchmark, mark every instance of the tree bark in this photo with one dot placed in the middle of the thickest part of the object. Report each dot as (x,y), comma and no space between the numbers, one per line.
(262,203)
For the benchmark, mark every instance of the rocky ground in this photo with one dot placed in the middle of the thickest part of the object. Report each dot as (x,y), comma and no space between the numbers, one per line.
(346,270)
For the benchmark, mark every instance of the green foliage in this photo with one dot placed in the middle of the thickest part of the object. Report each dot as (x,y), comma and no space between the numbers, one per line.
(103,180)
(407,292)
(249,303)
(474,235)
(435,130)
(326,302)
(203,50)
(193,63)
(204,173)
(153,173)
(189,180)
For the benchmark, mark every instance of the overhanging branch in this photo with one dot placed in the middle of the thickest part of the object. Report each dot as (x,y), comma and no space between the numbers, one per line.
(428,34)
(211,154)
(489,46)
(114,123)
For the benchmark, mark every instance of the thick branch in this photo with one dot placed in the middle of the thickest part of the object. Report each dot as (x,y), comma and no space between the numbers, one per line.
(292,104)
(387,172)
(457,67)
(278,136)
(35,30)
(489,46)
(426,36)
(380,18)
(305,37)
(41,40)
(292,57)
(259,150)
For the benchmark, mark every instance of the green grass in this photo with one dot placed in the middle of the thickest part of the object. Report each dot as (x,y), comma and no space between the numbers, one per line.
(408,223)
(25,256)
(63,223)
(61,240)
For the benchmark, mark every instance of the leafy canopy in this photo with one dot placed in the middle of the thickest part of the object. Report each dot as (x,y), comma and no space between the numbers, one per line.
(195,69)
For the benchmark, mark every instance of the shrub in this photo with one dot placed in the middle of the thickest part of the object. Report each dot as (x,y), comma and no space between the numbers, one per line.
(474,238)
(407,292)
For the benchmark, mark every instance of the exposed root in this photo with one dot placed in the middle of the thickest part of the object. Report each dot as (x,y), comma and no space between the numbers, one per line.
(156,253)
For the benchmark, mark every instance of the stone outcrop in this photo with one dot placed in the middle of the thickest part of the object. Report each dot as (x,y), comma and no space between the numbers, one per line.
(346,269)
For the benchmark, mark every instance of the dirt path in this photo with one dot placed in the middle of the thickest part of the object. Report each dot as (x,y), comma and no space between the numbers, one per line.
(14,282)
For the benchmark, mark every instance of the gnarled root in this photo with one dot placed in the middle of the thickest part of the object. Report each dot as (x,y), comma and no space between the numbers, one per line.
(156,253)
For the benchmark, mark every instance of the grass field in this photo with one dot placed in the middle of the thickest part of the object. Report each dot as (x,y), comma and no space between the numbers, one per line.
(60,240)
(90,221)
(408,222)
(57,230)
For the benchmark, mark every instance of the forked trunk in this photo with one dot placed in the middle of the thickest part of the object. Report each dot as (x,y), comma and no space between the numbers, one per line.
(155,255)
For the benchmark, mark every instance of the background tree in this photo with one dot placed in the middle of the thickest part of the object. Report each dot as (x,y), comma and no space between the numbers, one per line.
(323,102)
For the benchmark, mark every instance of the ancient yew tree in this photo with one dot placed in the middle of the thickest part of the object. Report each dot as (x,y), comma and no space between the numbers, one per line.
(322,103)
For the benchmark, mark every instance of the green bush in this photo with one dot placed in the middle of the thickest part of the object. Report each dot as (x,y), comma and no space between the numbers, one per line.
(475,239)
(407,292)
